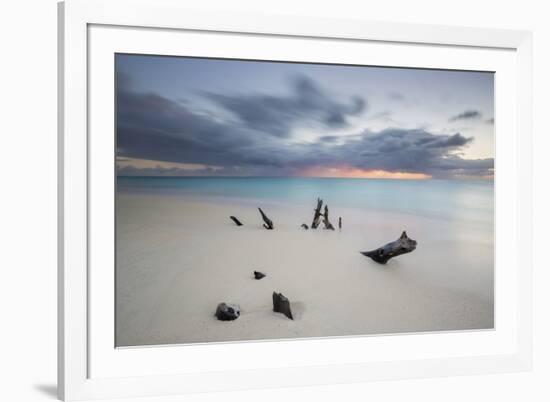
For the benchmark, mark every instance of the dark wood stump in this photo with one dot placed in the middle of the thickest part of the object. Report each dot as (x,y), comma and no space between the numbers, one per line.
(402,245)
(281,305)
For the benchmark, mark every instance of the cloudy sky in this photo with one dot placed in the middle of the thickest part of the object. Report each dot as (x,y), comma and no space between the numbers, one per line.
(182,116)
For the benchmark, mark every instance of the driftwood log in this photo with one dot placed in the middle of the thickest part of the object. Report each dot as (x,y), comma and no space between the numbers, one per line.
(268,223)
(327,223)
(317,214)
(237,222)
(402,245)
(281,305)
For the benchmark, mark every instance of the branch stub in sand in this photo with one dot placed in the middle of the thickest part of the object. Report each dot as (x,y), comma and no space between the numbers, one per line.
(382,254)
(258,275)
(327,223)
(281,305)
(268,222)
(317,214)
(237,222)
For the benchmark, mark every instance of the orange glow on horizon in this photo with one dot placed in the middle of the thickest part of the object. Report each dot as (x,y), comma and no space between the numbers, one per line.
(351,172)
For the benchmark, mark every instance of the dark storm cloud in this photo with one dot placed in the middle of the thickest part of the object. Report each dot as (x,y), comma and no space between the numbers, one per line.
(330,138)
(124,81)
(467,115)
(150,126)
(455,140)
(277,115)
(411,151)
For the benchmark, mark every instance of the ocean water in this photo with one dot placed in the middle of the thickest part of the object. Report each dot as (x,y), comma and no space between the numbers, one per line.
(470,200)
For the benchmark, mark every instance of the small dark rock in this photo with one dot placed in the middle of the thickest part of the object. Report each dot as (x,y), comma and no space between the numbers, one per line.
(281,305)
(258,275)
(304,226)
(227,312)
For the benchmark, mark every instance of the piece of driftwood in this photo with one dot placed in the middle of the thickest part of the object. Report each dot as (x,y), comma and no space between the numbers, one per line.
(258,275)
(317,214)
(237,222)
(268,223)
(227,312)
(281,305)
(327,223)
(304,226)
(402,245)
(340,223)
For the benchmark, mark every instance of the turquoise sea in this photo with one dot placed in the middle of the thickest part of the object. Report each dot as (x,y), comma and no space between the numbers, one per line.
(470,200)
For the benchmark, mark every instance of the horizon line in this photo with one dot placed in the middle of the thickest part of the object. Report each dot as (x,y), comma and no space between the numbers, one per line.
(304,177)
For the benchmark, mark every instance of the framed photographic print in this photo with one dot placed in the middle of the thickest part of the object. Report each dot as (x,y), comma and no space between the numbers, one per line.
(257,201)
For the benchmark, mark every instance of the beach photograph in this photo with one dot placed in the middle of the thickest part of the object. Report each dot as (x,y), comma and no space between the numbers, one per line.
(269,200)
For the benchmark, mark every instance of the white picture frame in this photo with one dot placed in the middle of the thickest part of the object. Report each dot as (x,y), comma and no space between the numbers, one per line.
(89,365)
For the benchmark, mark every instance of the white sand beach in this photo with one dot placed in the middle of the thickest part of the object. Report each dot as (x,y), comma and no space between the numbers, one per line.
(177,258)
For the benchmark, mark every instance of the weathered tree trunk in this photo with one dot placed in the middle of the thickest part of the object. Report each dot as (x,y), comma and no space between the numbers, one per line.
(268,223)
(317,214)
(304,226)
(402,245)
(281,305)
(340,223)
(327,223)
(237,222)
